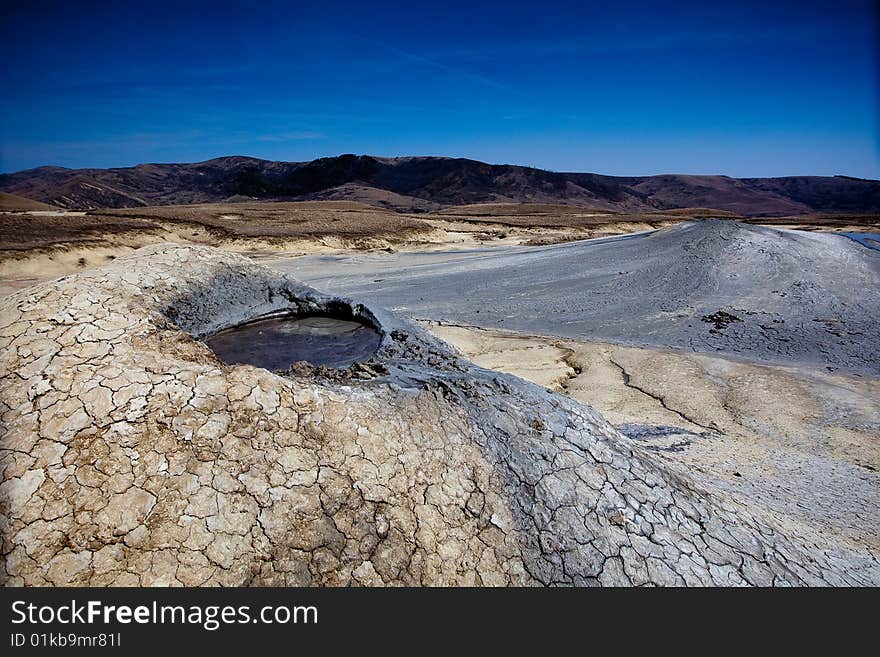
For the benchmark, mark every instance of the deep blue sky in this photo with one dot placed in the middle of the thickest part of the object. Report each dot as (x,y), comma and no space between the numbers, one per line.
(739,88)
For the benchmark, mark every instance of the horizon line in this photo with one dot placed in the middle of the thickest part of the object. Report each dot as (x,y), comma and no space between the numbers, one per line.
(444,157)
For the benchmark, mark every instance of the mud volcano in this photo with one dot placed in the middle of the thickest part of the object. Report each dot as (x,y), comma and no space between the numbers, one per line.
(275,343)
(130,457)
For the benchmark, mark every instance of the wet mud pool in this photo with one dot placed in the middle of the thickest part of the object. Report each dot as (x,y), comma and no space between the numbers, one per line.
(276,343)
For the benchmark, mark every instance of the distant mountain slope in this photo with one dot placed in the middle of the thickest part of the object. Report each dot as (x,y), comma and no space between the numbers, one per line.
(428,183)
(14,203)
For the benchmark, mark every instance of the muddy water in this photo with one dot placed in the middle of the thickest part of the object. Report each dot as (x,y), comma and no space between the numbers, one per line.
(276,343)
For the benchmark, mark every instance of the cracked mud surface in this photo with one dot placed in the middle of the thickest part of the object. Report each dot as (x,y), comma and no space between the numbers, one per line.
(132,456)
(794,443)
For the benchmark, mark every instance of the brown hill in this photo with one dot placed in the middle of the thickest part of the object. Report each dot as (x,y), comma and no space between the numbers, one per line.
(15,203)
(420,184)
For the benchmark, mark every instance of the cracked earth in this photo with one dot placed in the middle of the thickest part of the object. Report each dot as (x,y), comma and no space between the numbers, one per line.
(797,445)
(131,456)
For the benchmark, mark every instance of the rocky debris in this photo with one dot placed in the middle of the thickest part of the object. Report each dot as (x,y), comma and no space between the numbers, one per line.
(131,456)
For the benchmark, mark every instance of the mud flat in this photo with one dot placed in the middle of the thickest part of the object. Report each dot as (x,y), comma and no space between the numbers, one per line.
(132,455)
(36,245)
(39,244)
(39,241)
(713,286)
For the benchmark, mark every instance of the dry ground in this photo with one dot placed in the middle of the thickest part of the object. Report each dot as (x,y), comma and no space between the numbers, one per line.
(38,241)
(15,203)
(781,436)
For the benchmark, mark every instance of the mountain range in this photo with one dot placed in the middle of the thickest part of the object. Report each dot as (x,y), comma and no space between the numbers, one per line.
(416,184)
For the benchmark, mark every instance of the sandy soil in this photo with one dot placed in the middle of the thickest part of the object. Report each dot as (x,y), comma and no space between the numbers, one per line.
(783,436)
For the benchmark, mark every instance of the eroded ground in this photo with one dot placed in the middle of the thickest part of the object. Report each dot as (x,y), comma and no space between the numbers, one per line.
(800,443)
(131,455)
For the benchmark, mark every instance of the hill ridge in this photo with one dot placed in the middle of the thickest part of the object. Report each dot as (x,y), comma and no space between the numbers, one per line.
(421,183)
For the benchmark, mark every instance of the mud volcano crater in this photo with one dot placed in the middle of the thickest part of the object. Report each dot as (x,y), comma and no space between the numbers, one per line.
(277,341)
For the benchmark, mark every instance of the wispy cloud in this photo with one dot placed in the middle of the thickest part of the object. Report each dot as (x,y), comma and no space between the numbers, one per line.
(289,136)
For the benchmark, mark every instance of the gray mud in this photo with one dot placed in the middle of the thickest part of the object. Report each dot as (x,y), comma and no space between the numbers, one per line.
(712,286)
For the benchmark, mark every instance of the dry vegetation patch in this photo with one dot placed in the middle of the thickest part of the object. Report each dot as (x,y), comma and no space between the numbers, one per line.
(22,232)
(296,220)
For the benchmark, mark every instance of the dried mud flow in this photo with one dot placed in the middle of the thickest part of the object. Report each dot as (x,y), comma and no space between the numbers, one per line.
(132,456)
(798,443)
(712,286)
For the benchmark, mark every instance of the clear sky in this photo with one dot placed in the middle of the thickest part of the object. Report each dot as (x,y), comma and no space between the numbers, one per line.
(630,88)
